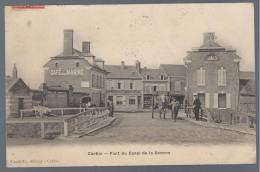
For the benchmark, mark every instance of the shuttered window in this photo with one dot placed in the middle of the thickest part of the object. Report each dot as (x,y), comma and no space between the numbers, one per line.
(222,77)
(201,80)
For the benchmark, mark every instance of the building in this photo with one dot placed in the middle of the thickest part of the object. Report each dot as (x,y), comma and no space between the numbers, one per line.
(124,86)
(155,83)
(17,93)
(213,74)
(176,75)
(247,88)
(79,70)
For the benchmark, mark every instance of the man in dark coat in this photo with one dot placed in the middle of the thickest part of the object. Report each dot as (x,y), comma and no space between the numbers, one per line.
(196,106)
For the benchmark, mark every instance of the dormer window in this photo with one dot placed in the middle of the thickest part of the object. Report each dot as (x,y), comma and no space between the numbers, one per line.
(162,77)
(56,64)
(147,77)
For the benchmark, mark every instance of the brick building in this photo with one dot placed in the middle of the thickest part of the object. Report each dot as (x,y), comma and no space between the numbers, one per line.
(79,70)
(18,95)
(213,74)
(124,86)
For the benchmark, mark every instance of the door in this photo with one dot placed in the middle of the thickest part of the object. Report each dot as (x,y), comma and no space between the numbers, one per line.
(138,102)
(202,99)
(20,104)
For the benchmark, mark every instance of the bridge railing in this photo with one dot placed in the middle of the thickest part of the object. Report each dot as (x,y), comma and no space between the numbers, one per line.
(45,111)
(84,119)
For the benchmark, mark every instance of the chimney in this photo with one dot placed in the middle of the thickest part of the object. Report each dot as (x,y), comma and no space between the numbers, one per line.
(122,64)
(15,75)
(85,47)
(138,66)
(208,36)
(68,42)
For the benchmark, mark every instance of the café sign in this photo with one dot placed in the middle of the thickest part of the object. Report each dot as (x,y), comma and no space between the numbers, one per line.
(65,72)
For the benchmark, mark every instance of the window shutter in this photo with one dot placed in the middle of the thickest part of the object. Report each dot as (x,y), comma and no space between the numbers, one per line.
(198,77)
(228,100)
(224,77)
(215,100)
(203,77)
(219,77)
(207,100)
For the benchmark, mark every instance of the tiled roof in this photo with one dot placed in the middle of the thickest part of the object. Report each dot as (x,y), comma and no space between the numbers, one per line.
(174,70)
(246,75)
(155,74)
(117,71)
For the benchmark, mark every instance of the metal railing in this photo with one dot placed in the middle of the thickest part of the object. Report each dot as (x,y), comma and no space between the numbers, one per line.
(84,120)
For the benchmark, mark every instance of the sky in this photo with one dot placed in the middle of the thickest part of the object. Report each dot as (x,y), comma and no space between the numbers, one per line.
(151,33)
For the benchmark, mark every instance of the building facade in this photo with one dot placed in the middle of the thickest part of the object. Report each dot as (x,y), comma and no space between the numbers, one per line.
(155,86)
(79,70)
(18,95)
(176,80)
(213,75)
(124,87)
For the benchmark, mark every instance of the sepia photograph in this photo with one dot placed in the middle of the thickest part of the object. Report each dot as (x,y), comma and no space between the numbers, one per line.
(130,84)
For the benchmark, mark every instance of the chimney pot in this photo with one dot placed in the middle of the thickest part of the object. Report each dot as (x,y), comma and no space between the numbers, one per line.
(68,42)
(208,36)
(122,64)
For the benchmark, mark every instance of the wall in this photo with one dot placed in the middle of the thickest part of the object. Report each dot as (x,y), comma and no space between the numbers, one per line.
(226,60)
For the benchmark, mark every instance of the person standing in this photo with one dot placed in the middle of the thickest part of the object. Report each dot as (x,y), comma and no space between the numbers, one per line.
(196,107)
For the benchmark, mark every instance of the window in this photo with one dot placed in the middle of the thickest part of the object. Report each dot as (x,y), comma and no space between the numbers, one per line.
(56,64)
(177,85)
(201,77)
(147,77)
(93,80)
(162,77)
(222,100)
(154,88)
(119,85)
(222,77)
(131,100)
(119,100)
(131,85)
(77,64)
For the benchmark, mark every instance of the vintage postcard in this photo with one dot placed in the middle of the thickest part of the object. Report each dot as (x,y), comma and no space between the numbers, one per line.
(135,84)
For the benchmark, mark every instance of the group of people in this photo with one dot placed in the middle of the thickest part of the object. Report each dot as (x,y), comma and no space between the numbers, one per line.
(174,105)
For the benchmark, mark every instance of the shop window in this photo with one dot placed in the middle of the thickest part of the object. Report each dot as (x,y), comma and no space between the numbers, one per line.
(119,100)
(131,100)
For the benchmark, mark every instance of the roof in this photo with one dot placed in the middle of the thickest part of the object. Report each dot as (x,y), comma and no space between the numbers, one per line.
(210,44)
(117,71)
(57,88)
(249,88)
(10,82)
(247,75)
(76,53)
(155,74)
(174,70)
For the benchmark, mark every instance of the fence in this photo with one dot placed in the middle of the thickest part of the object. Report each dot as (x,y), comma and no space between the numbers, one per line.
(41,110)
(84,120)
(233,117)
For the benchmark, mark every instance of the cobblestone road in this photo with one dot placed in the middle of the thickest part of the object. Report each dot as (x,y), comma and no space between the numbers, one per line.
(140,127)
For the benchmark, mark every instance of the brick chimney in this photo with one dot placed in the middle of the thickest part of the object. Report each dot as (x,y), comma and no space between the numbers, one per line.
(122,64)
(208,36)
(68,42)
(85,47)
(138,66)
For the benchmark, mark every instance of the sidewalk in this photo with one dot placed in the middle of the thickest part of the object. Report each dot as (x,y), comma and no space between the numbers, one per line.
(241,128)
